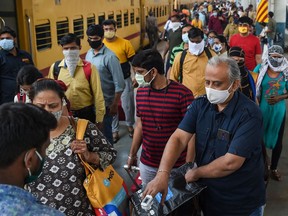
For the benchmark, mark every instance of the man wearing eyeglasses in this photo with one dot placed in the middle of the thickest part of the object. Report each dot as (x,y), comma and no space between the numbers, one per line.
(248,42)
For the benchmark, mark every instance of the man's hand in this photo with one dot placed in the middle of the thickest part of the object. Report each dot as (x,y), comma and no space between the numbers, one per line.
(132,161)
(158,184)
(113,109)
(191,175)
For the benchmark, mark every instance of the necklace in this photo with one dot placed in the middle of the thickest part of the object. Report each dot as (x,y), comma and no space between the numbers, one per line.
(157,124)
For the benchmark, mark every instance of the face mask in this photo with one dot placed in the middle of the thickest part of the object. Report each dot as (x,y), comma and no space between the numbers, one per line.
(109,34)
(57,114)
(196,49)
(210,41)
(185,38)
(71,60)
(215,14)
(7,44)
(242,29)
(95,44)
(217,47)
(141,81)
(274,62)
(217,96)
(175,25)
(32,178)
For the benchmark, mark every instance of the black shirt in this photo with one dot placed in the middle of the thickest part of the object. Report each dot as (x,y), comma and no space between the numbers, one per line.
(9,67)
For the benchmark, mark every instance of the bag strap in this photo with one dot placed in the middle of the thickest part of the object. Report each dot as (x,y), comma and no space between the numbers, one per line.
(56,70)
(182,58)
(208,53)
(87,69)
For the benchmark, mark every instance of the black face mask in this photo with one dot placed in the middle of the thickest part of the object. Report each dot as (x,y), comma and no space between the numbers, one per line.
(95,44)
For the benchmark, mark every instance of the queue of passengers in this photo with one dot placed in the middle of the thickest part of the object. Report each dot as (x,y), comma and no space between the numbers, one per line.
(216,102)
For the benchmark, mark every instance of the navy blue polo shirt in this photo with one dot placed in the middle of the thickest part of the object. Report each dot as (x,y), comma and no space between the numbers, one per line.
(237,129)
(9,67)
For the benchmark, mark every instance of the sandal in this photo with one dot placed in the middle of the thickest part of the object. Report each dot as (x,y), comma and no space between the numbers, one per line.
(115,137)
(131,131)
(274,174)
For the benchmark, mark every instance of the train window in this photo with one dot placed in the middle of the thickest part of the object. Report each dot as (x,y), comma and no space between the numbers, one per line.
(111,15)
(90,20)
(137,16)
(158,14)
(101,18)
(119,19)
(62,28)
(43,35)
(132,17)
(126,19)
(165,10)
(78,27)
(154,12)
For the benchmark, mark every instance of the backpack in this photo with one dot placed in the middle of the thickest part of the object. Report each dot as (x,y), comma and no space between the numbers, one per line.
(86,68)
(183,55)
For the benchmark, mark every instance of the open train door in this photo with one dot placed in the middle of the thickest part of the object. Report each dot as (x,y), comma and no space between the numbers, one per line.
(142,23)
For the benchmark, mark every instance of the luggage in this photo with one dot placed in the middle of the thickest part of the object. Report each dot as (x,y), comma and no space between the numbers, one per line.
(179,193)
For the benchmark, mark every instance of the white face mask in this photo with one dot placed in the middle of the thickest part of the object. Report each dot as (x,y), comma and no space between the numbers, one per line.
(175,25)
(217,96)
(185,38)
(141,81)
(57,114)
(217,48)
(7,44)
(71,60)
(196,48)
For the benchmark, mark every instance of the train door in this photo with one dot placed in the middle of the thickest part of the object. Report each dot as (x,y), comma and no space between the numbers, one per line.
(8,14)
(142,22)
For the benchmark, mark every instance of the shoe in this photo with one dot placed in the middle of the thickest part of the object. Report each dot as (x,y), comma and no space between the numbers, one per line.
(274,174)
(131,131)
(115,137)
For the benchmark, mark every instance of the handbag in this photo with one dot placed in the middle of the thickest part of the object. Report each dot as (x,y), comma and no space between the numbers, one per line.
(106,190)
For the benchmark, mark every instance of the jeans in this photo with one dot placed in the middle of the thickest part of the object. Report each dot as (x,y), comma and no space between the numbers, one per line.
(128,105)
(258,212)
(107,126)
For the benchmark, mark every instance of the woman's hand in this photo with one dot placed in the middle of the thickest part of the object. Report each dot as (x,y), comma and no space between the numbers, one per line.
(275,99)
(80,147)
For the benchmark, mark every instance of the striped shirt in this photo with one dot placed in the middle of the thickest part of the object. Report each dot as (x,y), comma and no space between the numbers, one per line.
(161,111)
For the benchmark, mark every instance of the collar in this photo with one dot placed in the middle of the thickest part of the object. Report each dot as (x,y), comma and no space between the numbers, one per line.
(79,64)
(101,51)
(229,109)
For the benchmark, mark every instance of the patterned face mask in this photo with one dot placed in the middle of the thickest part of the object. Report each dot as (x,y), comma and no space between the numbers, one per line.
(58,114)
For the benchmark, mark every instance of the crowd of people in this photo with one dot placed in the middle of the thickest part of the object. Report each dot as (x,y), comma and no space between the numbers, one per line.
(213,97)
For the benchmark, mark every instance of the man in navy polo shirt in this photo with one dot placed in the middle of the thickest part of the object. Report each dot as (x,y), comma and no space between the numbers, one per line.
(11,60)
(228,128)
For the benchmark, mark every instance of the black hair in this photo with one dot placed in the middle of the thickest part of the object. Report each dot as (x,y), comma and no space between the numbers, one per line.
(109,22)
(93,30)
(271,14)
(212,31)
(43,85)
(148,59)
(7,29)
(22,127)
(245,19)
(223,39)
(177,17)
(27,75)
(195,32)
(70,38)
(187,25)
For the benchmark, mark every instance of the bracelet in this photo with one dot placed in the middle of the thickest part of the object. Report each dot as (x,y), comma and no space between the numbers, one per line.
(163,171)
(132,157)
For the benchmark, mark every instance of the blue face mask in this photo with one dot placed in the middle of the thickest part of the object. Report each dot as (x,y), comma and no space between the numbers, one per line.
(33,177)
(7,44)
(211,41)
(185,38)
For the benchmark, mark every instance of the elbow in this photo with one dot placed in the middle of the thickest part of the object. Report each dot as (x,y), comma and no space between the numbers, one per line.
(231,165)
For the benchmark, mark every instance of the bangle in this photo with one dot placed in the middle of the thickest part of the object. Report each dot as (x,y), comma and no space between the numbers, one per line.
(166,171)
(132,157)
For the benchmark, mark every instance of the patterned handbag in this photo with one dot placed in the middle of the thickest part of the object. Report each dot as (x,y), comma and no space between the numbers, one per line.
(106,190)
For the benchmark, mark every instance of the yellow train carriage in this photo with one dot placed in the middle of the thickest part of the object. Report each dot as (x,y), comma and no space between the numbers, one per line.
(41,23)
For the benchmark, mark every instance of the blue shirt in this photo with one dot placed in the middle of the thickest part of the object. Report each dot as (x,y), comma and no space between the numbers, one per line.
(236,130)
(110,71)
(9,68)
(16,201)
